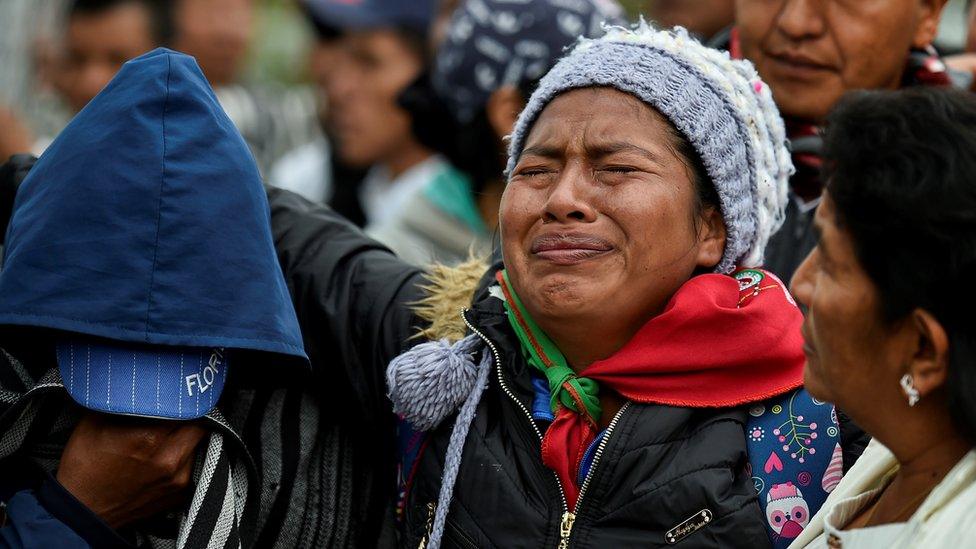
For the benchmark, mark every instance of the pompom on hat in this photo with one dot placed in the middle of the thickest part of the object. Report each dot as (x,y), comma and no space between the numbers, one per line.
(721,106)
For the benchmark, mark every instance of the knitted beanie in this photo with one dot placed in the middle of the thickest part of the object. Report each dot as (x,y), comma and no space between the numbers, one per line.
(719,104)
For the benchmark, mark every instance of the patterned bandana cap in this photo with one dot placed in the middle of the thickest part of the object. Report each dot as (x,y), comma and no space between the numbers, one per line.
(719,104)
(492,43)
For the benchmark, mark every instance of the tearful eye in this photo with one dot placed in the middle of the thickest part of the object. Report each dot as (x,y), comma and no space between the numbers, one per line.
(619,169)
(532,172)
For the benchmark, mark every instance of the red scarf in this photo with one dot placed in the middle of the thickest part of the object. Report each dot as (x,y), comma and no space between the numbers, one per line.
(722,341)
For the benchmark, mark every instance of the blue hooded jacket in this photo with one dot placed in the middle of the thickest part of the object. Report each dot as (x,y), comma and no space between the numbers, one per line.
(146,221)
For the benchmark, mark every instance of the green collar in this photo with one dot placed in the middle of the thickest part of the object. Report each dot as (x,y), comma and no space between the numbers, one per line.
(578,394)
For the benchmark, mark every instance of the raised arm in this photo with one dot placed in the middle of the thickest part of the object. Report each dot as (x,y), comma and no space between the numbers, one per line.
(352,297)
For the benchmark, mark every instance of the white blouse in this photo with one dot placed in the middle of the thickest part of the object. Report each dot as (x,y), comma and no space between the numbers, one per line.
(846,510)
(945,519)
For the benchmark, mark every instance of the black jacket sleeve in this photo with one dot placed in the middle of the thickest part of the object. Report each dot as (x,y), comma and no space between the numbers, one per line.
(352,297)
(12,174)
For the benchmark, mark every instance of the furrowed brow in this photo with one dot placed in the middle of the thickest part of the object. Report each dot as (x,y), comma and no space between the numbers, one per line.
(542,150)
(606,149)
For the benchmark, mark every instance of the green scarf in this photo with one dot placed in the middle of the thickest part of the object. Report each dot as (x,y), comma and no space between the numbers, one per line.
(578,394)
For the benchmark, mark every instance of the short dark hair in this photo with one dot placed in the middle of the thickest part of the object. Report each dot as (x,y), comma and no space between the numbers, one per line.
(160,14)
(901,172)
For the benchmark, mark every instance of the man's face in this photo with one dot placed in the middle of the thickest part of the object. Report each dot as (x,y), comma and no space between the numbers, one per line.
(96,46)
(322,61)
(217,33)
(813,51)
(702,17)
(374,67)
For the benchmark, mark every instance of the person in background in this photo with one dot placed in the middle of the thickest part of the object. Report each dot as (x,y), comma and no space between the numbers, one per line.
(811,53)
(219,34)
(30,33)
(375,49)
(888,331)
(101,35)
(492,54)
(383,49)
(157,294)
(315,170)
(703,18)
(98,37)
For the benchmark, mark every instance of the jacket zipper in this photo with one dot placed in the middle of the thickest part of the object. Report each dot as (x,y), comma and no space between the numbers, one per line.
(566,528)
(431,509)
(511,395)
(569,517)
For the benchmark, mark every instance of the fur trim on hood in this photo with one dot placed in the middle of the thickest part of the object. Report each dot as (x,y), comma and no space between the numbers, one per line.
(449,290)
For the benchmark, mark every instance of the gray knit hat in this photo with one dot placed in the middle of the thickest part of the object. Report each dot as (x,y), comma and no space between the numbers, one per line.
(719,104)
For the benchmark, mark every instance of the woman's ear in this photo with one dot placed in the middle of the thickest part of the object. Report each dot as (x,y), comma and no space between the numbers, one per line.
(930,13)
(503,108)
(711,237)
(929,367)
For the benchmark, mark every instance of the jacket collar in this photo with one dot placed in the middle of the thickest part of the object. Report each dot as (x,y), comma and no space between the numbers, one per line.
(487,313)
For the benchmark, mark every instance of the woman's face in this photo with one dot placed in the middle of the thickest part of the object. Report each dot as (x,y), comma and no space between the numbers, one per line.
(853,358)
(600,222)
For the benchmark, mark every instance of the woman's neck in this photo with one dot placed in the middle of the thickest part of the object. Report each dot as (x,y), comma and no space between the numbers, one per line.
(934,461)
(920,437)
(583,343)
(927,446)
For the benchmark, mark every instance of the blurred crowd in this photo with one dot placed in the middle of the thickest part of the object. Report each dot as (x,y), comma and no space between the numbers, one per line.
(400,125)
(412,120)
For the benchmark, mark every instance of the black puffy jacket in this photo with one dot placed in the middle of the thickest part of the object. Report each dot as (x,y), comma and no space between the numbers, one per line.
(665,476)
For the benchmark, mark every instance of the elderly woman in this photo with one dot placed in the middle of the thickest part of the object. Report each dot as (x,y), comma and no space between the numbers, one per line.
(889,335)
(596,387)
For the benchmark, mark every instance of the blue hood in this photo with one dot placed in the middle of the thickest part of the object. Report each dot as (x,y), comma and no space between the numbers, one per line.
(146,221)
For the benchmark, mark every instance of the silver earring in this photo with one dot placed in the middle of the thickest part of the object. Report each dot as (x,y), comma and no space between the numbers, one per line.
(908,385)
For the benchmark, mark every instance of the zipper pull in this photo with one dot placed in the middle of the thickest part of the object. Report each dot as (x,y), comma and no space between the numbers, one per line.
(431,510)
(565,529)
